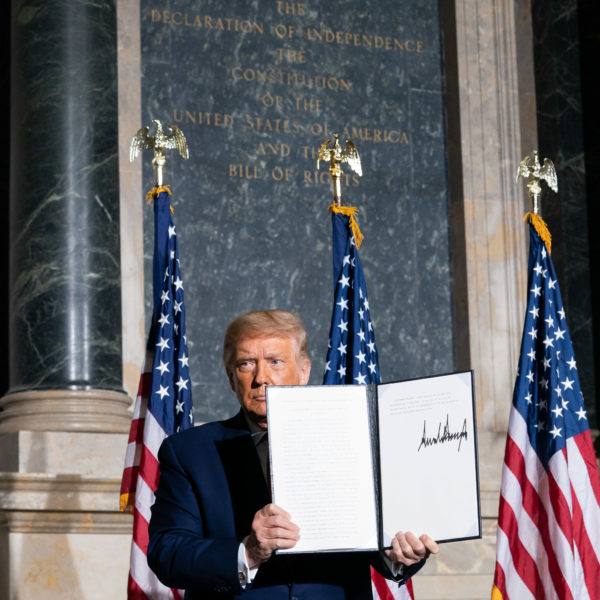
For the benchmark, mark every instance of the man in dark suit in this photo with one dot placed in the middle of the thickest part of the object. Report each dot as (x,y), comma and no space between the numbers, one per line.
(213,530)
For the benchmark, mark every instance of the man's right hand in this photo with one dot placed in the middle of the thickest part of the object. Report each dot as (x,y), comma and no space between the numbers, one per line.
(272,529)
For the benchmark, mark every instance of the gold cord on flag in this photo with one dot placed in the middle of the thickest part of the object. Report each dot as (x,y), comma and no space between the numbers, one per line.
(350,212)
(157,190)
(542,229)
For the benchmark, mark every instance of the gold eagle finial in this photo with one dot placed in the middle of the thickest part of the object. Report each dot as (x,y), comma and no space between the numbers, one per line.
(159,142)
(531,169)
(336,156)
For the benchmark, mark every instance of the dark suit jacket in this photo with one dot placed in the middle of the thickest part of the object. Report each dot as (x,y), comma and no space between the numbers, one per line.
(211,485)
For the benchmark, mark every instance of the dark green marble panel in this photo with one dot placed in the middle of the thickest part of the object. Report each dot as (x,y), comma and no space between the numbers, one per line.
(560,132)
(65,327)
(256,87)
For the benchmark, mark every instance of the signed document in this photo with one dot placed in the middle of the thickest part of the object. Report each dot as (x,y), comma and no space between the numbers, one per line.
(428,455)
(354,464)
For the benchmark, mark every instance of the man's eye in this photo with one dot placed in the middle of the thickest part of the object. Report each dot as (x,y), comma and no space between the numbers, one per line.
(276,361)
(244,366)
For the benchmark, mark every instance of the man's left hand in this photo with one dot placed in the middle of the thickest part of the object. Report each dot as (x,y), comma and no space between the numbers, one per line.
(408,549)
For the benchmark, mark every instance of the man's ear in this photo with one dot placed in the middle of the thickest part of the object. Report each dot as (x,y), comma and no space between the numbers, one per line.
(305,371)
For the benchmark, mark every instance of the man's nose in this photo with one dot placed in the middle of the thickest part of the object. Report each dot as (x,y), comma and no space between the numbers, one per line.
(261,374)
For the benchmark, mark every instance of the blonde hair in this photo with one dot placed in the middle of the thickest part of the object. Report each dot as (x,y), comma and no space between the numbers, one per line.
(264,323)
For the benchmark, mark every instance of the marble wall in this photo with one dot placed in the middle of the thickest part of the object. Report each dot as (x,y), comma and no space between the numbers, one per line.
(256,88)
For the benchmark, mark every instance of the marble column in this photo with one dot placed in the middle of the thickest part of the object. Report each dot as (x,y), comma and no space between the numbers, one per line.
(65,418)
(65,310)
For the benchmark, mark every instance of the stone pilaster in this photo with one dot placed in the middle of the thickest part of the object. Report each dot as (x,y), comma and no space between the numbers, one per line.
(492,92)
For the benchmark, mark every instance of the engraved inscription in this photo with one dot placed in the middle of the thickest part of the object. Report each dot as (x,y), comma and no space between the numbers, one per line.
(293,85)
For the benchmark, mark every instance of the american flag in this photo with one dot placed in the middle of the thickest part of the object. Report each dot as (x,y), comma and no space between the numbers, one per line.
(164,401)
(352,355)
(548,543)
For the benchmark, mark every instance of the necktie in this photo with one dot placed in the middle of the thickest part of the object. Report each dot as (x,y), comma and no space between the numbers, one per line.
(263,454)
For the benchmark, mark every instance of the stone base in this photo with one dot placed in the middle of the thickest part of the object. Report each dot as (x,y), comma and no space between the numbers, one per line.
(64,566)
(61,532)
(65,410)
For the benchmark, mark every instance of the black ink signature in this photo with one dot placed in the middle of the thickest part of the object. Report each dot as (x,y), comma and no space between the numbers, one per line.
(443,436)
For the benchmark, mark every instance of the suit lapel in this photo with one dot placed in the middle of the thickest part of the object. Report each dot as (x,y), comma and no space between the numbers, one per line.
(247,486)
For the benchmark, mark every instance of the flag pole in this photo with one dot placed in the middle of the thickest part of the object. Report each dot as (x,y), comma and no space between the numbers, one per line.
(549,510)
(164,402)
(531,169)
(352,355)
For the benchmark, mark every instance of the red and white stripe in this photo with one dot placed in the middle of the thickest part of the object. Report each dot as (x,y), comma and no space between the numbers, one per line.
(140,479)
(384,589)
(549,521)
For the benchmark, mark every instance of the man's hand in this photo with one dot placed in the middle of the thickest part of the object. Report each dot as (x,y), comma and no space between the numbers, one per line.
(408,549)
(272,529)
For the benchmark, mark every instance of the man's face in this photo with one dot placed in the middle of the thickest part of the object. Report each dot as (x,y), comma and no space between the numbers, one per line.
(260,361)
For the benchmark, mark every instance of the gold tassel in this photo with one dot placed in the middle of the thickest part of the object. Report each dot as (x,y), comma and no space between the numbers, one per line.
(126,503)
(157,190)
(542,229)
(351,212)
